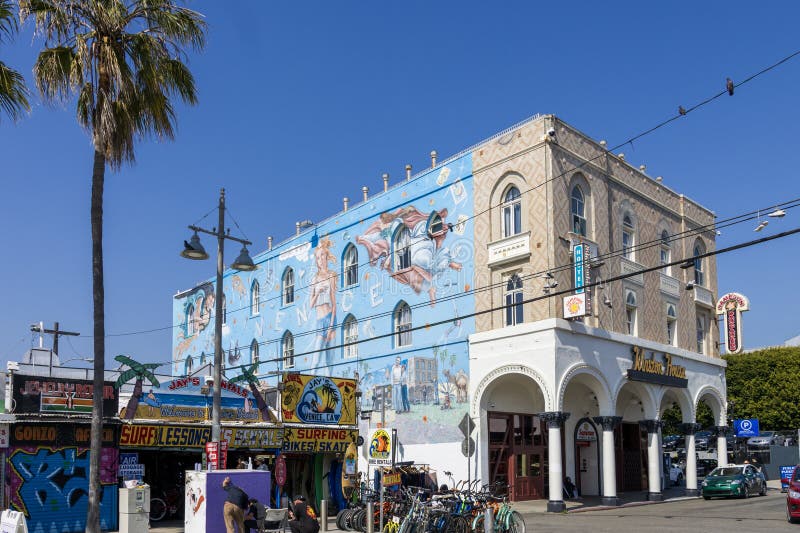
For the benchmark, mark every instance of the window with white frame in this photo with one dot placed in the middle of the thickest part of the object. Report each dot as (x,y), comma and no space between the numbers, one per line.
(628,237)
(255,297)
(513,300)
(435,224)
(287,286)
(350,333)
(350,266)
(630,312)
(702,332)
(190,320)
(402,249)
(578,210)
(512,212)
(665,253)
(402,325)
(287,350)
(254,352)
(672,322)
(699,276)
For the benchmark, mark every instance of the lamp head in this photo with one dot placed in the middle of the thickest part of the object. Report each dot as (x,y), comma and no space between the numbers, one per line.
(193,249)
(244,262)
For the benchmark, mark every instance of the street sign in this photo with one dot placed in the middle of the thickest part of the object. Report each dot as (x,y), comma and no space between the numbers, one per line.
(468,447)
(467,426)
(746,427)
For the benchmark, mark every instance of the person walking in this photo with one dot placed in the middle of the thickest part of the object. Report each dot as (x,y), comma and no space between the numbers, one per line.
(236,502)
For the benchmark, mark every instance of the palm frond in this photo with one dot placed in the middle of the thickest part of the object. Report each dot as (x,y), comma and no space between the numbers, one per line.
(13,92)
(53,72)
(8,22)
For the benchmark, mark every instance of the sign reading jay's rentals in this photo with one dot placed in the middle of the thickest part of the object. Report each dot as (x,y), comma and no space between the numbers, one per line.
(651,370)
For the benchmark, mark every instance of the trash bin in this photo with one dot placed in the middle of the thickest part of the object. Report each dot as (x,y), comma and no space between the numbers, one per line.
(134,509)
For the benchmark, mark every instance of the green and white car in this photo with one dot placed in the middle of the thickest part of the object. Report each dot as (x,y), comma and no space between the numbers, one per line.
(734,480)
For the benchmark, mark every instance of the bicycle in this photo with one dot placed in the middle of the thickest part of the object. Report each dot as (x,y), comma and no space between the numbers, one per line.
(169,501)
(504,518)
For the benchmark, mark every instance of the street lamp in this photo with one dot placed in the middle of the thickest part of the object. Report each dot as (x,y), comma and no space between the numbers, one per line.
(194,250)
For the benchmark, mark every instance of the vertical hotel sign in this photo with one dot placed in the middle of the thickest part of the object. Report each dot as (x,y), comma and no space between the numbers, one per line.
(576,305)
(731,306)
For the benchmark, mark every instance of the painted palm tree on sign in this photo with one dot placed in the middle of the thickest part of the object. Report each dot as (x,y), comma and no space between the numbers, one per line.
(125,63)
(249,376)
(13,92)
(139,371)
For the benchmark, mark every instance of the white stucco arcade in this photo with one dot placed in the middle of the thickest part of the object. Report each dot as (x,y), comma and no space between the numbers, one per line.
(568,373)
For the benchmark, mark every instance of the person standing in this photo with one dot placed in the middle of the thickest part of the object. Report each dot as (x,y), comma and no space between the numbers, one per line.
(404,388)
(397,377)
(236,502)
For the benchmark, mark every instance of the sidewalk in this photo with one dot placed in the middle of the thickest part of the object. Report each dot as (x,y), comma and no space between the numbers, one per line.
(532,507)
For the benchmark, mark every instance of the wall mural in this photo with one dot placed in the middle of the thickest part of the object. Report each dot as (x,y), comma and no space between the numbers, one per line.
(412,245)
(50,486)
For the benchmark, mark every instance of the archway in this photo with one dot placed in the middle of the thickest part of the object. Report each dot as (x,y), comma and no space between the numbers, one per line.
(513,437)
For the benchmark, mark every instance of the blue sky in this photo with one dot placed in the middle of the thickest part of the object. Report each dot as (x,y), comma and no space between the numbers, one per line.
(302,103)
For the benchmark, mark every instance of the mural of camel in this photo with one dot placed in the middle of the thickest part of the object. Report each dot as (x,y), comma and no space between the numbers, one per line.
(461,383)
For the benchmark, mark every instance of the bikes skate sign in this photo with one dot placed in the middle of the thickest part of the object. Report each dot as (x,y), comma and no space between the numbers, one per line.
(318,400)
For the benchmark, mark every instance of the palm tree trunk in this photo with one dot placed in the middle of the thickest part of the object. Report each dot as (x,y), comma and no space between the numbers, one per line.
(133,403)
(95,494)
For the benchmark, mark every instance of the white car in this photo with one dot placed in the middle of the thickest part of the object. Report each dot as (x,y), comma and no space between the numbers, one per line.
(675,474)
(765,440)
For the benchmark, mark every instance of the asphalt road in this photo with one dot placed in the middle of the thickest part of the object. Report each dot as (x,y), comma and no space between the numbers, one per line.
(758,513)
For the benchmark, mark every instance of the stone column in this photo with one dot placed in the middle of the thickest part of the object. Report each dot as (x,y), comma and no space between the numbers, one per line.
(722,444)
(653,460)
(609,471)
(689,429)
(555,419)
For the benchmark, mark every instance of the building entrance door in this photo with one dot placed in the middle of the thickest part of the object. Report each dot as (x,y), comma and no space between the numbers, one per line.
(518,455)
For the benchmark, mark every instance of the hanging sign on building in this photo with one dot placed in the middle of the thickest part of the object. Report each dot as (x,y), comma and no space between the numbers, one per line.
(577,262)
(651,370)
(586,432)
(189,399)
(253,438)
(379,451)
(317,440)
(150,436)
(36,394)
(575,305)
(318,400)
(280,470)
(217,455)
(578,305)
(731,306)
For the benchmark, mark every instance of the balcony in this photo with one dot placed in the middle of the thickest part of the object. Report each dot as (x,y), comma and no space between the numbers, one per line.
(632,267)
(670,286)
(703,296)
(510,249)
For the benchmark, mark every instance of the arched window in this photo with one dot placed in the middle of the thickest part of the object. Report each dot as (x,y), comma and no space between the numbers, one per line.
(512,212)
(202,358)
(255,297)
(350,335)
(402,325)
(665,253)
(702,329)
(254,353)
(672,320)
(628,237)
(630,312)
(350,266)
(287,286)
(224,309)
(699,276)
(578,210)
(190,320)
(514,300)
(402,249)
(287,349)
(189,365)
(435,224)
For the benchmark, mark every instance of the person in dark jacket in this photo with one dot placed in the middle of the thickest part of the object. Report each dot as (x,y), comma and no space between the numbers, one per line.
(236,502)
(301,522)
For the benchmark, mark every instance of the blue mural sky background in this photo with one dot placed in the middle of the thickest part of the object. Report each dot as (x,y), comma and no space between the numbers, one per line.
(304,103)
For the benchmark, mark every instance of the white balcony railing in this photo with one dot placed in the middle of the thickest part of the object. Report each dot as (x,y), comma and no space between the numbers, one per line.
(631,267)
(703,296)
(670,286)
(510,248)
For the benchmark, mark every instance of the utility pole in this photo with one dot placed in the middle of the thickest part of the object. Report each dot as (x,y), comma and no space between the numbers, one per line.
(39,328)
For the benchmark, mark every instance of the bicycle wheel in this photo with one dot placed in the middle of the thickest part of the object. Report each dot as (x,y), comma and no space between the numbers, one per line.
(515,523)
(158,509)
(477,523)
(457,524)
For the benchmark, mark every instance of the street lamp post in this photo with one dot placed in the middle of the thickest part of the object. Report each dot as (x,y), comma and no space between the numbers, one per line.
(194,250)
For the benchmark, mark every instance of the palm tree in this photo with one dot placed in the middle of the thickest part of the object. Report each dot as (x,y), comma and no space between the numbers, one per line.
(140,371)
(124,63)
(13,92)
(249,375)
